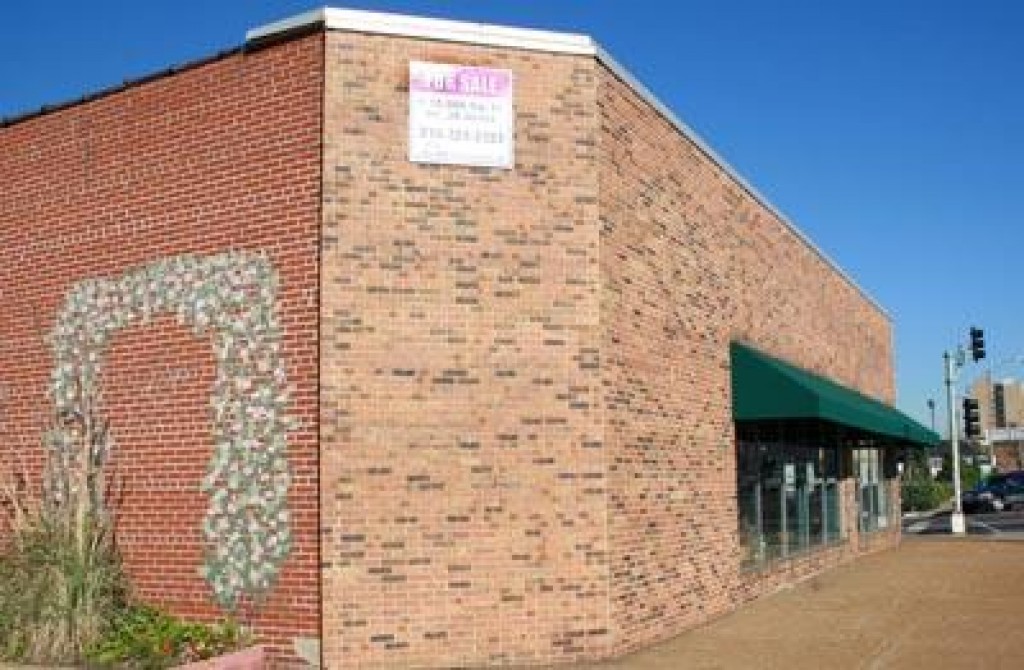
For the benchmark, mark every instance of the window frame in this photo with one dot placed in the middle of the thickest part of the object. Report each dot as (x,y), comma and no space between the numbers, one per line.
(801,463)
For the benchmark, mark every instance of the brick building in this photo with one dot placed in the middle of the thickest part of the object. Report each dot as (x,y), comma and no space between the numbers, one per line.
(552,394)
(1000,402)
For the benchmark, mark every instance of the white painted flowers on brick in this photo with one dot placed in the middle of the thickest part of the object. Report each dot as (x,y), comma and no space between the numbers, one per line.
(231,298)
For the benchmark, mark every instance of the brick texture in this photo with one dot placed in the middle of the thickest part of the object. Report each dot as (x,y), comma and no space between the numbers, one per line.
(223,155)
(1009,456)
(690,262)
(528,451)
(463,491)
(514,386)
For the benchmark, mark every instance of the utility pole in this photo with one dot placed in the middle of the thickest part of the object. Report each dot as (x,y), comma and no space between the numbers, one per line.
(957,519)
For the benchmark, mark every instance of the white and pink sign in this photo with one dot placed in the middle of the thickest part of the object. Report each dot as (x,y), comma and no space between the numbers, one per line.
(461,115)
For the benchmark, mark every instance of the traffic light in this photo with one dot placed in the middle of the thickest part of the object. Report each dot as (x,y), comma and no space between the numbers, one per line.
(977,344)
(972,418)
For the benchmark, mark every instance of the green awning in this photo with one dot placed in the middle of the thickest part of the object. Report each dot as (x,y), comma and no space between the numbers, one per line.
(766,388)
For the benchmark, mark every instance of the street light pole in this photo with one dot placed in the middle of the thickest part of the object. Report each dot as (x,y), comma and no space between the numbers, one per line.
(931,408)
(957,519)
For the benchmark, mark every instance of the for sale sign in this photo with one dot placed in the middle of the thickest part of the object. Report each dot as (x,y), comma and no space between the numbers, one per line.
(460,115)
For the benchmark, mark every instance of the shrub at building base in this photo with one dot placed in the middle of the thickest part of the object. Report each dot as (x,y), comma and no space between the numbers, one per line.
(63,594)
(922,493)
(60,575)
(970,474)
(56,594)
(144,637)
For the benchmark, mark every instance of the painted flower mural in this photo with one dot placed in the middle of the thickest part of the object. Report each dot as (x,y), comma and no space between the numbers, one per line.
(230,298)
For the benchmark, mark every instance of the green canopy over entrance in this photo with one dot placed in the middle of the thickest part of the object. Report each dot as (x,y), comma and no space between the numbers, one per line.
(766,388)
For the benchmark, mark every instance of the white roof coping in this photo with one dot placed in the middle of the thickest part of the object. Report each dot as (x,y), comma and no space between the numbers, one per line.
(381,23)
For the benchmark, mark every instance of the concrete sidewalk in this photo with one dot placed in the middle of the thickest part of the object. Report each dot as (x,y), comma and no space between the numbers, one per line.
(936,604)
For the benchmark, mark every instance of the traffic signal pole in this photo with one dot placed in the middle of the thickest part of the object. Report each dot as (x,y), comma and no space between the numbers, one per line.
(957,519)
(954,361)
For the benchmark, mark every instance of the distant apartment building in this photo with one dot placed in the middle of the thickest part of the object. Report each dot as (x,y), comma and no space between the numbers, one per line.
(1001,402)
(1002,419)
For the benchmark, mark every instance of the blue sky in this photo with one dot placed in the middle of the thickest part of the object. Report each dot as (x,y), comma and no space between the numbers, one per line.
(890,131)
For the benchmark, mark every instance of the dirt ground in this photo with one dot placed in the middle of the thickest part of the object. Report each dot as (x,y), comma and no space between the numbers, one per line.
(935,603)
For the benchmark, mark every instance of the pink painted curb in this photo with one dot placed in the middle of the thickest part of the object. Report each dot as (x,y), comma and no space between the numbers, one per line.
(253,658)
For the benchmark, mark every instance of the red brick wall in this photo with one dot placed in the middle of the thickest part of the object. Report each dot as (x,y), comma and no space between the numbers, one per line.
(224,155)
(689,262)
(463,491)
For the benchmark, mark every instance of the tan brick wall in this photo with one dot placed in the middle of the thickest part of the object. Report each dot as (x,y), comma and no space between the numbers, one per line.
(463,491)
(220,156)
(689,262)
(528,451)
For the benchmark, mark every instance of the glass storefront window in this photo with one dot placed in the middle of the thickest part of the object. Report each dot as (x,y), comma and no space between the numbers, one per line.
(872,496)
(788,497)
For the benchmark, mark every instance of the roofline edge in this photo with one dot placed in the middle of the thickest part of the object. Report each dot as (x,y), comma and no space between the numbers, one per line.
(627,78)
(448,30)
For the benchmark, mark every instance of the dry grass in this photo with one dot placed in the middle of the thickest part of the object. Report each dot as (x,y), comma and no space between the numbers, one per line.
(60,576)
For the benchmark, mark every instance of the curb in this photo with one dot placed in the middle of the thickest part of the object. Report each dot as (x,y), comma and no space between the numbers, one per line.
(966,537)
(928,514)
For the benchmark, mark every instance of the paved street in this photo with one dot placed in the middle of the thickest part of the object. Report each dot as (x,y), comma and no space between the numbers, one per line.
(1008,523)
